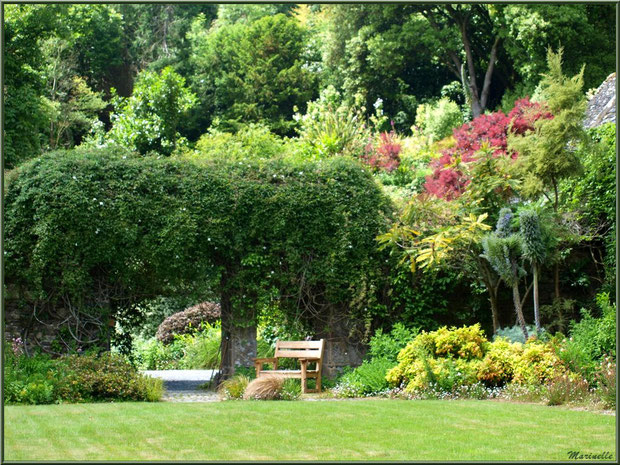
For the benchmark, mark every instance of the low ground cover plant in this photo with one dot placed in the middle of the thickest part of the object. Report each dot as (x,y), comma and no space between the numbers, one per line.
(40,379)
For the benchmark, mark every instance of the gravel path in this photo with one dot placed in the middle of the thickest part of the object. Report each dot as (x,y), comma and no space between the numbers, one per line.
(182,385)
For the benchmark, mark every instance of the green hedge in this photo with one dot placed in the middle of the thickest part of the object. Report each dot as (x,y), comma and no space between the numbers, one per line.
(104,229)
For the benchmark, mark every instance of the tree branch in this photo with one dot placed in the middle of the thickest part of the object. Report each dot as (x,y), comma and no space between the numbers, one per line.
(486,87)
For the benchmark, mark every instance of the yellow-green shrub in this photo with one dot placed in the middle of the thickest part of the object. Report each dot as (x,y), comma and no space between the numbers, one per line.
(538,364)
(449,358)
(467,342)
(499,363)
(432,357)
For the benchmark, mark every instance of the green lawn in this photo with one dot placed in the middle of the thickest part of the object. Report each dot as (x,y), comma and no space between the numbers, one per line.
(346,430)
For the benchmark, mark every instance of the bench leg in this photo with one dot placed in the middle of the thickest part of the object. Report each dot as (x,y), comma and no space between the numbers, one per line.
(318,382)
(304,380)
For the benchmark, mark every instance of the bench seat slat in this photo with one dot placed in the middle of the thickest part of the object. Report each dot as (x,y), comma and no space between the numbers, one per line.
(298,353)
(289,373)
(299,344)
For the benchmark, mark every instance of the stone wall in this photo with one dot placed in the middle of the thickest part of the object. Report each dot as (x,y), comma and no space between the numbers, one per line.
(601,107)
(19,322)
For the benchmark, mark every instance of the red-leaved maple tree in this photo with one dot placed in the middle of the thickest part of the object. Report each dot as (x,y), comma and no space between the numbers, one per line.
(447,180)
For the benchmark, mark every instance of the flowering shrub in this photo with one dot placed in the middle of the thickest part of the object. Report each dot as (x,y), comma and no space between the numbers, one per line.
(568,387)
(103,378)
(465,391)
(448,179)
(188,320)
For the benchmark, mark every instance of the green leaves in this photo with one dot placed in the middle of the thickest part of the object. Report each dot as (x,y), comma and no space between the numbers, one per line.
(149,120)
(547,154)
(83,223)
(251,72)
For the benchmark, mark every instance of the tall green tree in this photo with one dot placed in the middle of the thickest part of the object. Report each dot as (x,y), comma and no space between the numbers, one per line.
(586,31)
(26,114)
(149,120)
(250,72)
(548,154)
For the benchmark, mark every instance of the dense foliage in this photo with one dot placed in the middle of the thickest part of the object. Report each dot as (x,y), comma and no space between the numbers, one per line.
(255,63)
(265,158)
(74,378)
(190,318)
(98,231)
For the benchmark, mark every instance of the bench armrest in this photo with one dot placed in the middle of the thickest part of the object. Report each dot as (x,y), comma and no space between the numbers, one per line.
(309,359)
(265,360)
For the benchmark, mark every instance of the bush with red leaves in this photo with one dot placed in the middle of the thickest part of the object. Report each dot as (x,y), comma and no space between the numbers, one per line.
(385,155)
(187,320)
(447,181)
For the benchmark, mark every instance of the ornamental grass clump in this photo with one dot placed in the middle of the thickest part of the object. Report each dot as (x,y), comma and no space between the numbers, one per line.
(264,388)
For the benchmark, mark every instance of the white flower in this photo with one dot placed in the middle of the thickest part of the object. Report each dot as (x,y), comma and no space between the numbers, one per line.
(74,177)
(97,231)
(101,203)
(378,103)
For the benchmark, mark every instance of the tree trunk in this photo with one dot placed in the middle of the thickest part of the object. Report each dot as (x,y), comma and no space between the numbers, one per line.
(492,286)
(556,280)
(494,309)
(536,307)
(517,301)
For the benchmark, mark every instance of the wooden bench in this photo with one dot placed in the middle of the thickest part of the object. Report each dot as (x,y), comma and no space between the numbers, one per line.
(306,352)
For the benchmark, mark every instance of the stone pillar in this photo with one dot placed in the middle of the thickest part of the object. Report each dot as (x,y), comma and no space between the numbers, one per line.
(341,349)
(238,344)
(238,349)
(339,353)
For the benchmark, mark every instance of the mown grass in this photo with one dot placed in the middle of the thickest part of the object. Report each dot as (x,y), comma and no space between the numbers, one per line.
(345,430)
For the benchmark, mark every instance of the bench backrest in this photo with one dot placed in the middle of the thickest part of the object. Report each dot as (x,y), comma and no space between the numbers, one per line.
(300,349)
